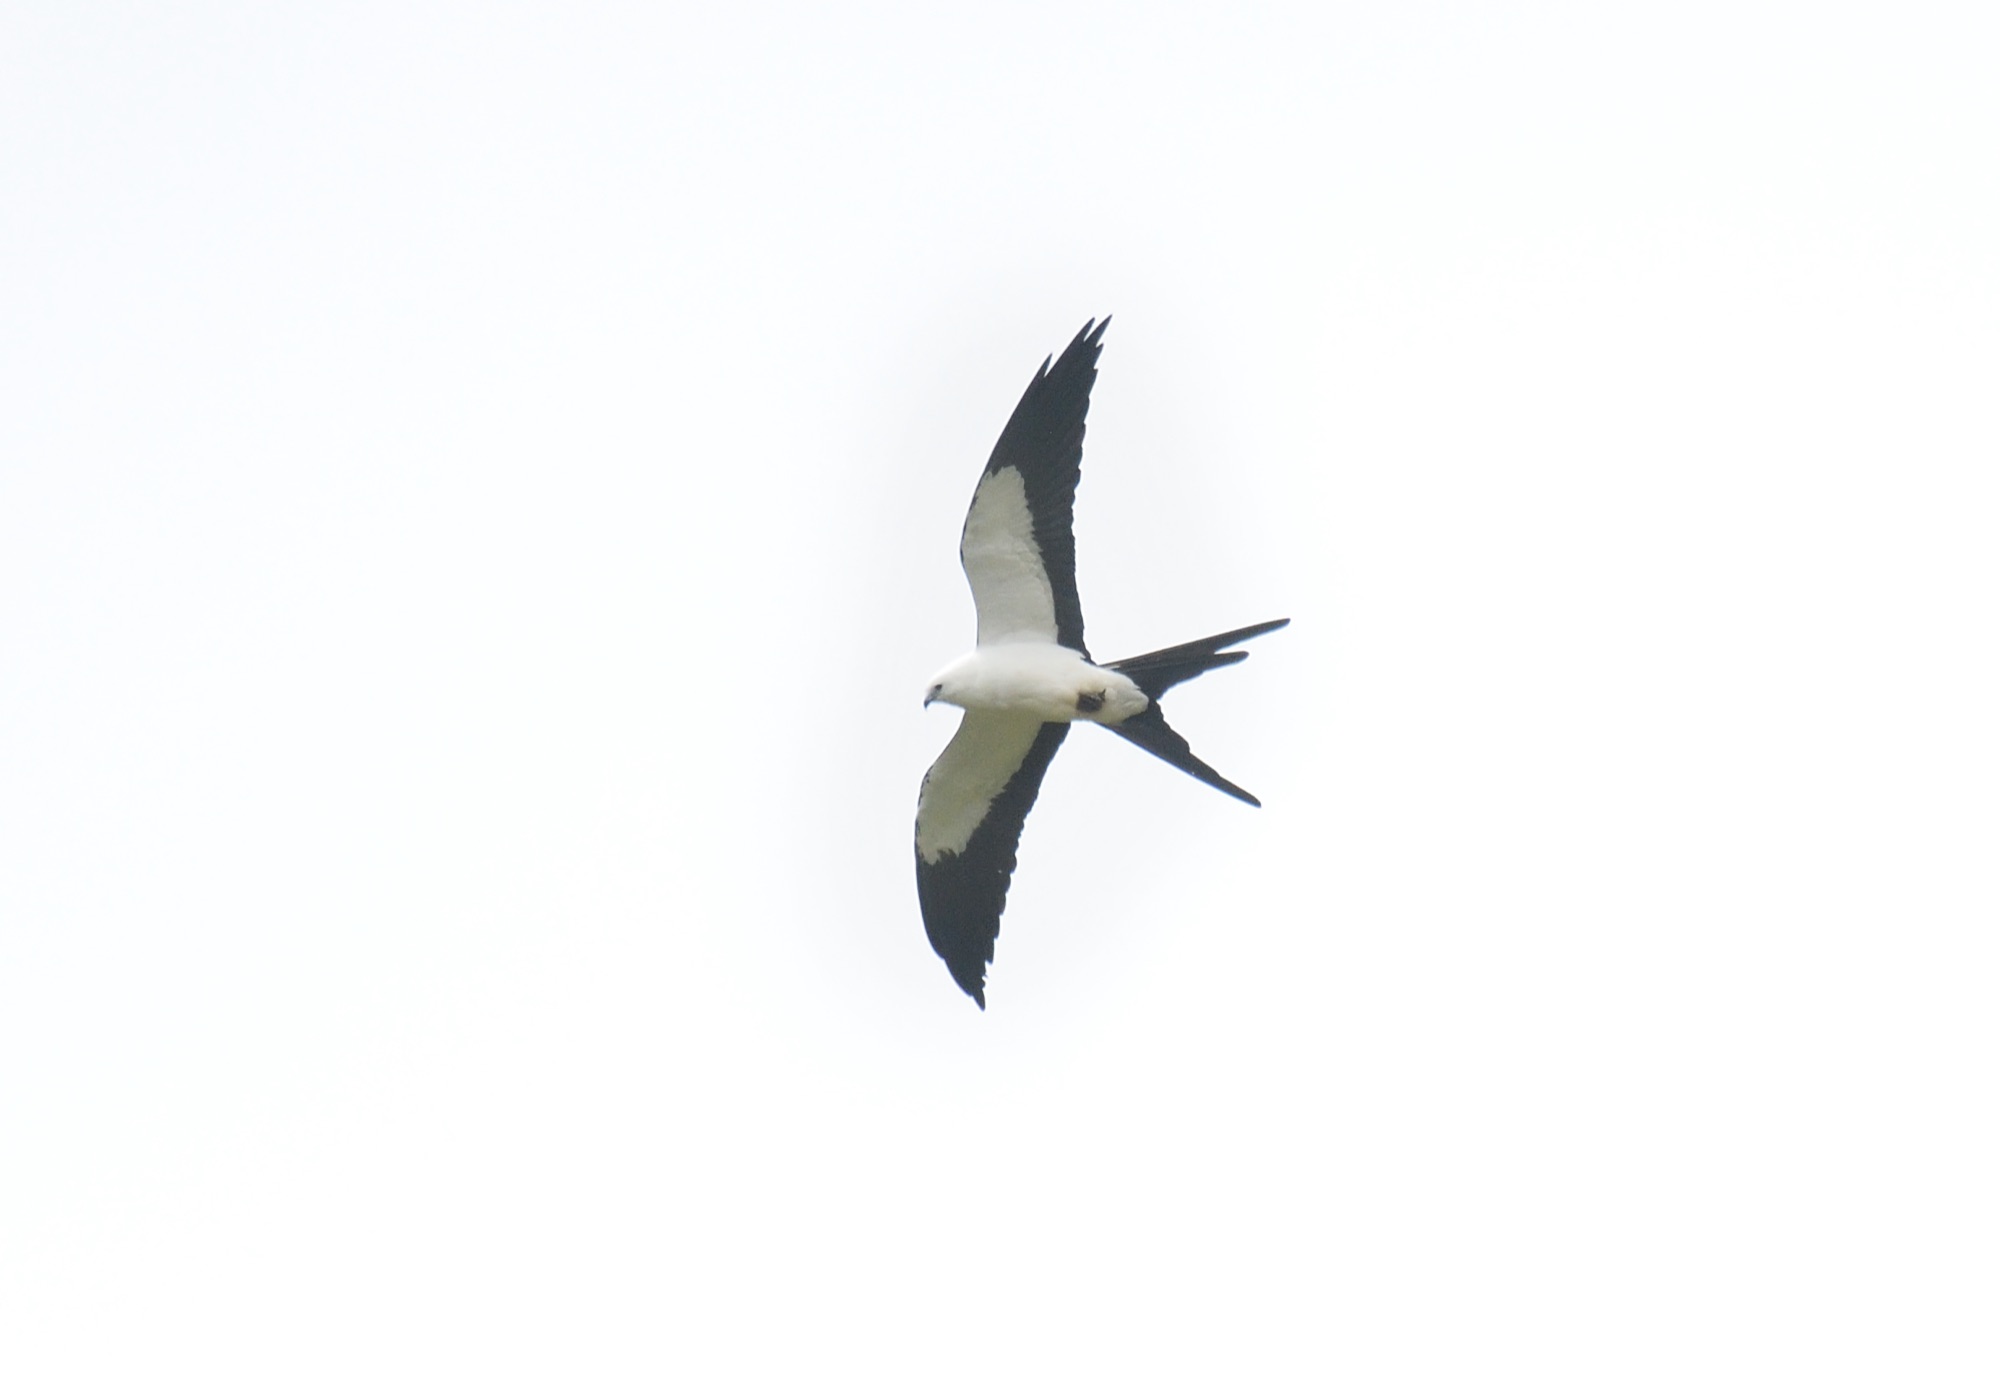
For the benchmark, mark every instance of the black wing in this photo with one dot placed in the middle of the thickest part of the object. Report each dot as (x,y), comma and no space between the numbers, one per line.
(974,802)
(1044,440)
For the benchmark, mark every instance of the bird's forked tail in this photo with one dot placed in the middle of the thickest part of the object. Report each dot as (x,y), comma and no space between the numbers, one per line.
(1155,673)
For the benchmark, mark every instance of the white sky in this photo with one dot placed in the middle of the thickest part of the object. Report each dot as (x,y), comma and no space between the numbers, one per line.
(479,490)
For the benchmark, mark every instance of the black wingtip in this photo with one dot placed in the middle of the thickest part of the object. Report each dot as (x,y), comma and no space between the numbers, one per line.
(971,977)
(968,972)
(1091,337)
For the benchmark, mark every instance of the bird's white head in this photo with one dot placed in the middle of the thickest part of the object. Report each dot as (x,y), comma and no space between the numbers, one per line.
(951,683)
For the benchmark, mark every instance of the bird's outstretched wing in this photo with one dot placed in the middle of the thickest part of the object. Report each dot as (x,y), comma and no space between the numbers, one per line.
(970,811)
(1018,549)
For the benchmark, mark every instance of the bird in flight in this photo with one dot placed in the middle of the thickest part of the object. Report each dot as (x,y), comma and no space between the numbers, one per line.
(1030,675)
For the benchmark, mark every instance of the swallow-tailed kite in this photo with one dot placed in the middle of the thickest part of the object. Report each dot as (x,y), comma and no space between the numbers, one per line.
(1030,676)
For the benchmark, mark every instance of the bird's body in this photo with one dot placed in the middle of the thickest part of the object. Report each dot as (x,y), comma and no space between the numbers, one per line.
(1049,682)
(1030,676)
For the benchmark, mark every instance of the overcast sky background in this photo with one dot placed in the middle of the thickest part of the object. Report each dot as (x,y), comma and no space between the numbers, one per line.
(479,493)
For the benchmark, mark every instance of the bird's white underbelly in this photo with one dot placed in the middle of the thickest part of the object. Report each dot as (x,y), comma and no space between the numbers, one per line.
(1049,682)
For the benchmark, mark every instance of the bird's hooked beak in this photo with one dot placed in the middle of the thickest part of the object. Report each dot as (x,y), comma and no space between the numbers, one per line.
(931,694)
